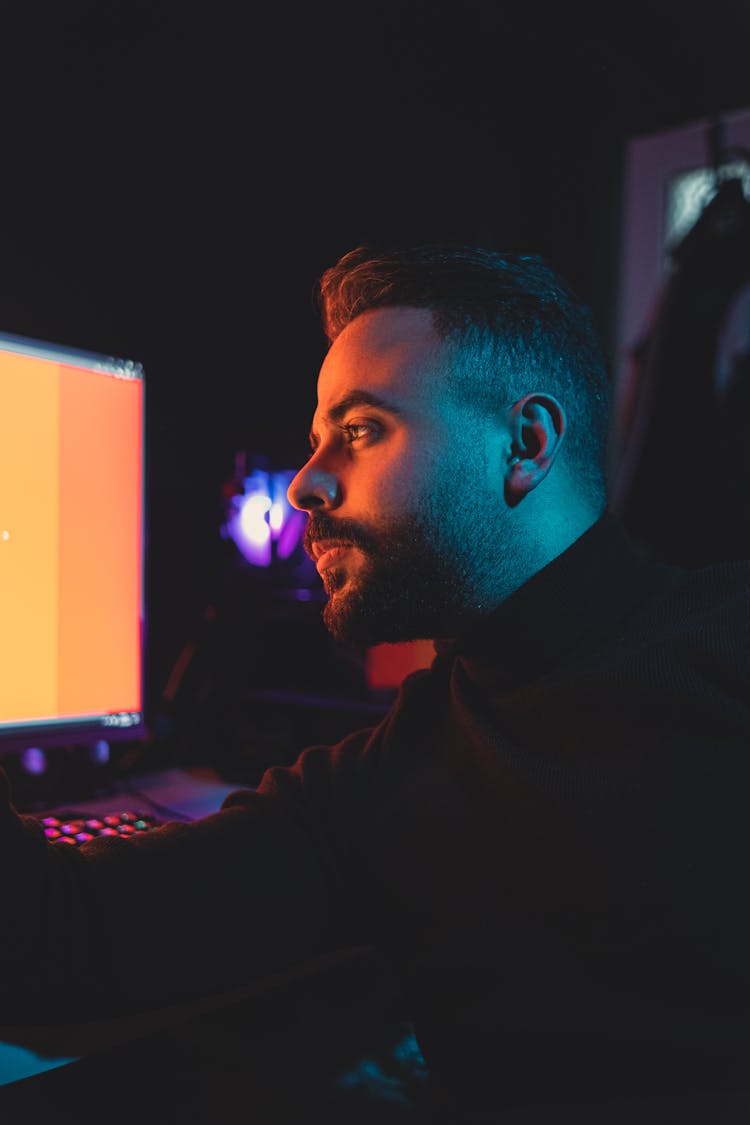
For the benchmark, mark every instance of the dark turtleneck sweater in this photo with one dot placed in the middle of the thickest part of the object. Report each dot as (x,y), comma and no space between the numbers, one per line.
(546,838)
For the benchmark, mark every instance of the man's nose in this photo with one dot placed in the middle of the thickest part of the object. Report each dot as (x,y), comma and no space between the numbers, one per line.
(313,487)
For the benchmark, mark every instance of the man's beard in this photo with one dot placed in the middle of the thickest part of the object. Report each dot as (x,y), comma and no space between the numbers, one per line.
(414,583)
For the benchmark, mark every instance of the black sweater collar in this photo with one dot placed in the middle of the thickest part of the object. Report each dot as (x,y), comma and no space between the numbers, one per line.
(583,594)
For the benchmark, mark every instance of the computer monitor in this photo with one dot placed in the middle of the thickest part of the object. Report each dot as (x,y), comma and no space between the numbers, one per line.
(72,548)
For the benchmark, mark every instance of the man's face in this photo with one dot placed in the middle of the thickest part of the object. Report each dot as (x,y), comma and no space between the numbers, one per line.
(403,502)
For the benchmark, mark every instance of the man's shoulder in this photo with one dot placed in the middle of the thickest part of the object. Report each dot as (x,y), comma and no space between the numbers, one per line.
(713,589)
(706,608)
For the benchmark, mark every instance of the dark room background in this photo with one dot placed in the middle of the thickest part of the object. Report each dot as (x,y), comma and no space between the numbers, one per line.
(174,177)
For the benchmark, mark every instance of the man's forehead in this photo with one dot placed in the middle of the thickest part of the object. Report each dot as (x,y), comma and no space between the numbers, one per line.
(388,350)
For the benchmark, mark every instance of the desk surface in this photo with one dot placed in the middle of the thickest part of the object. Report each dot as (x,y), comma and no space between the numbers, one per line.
(188,794)
(308,1045)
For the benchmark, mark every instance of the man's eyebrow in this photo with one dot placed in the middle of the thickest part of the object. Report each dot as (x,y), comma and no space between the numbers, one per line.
(349,402)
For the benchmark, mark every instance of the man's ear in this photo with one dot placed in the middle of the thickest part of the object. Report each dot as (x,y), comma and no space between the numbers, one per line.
(537,426)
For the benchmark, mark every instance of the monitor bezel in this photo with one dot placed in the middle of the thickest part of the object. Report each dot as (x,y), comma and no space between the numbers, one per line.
(58,733)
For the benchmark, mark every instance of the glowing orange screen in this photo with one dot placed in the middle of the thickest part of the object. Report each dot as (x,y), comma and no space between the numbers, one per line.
(70,540)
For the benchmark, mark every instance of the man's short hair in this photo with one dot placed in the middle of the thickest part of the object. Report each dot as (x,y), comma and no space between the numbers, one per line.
(517,324)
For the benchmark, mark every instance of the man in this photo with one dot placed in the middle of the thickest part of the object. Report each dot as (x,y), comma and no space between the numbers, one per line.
(546,837)
(432,438)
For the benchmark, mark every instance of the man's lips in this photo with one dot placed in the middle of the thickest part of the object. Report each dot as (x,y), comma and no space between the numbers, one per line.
(326,552)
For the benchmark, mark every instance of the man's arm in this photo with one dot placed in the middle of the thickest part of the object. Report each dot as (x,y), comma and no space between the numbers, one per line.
(177,915)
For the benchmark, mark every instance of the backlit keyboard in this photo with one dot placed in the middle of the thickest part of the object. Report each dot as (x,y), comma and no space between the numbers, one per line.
(76,828)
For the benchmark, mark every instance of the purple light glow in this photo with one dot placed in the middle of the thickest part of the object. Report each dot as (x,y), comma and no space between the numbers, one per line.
(100,752)
(261,520)
(34,760)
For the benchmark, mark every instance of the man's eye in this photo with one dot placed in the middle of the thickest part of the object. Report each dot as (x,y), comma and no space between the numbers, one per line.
(356,431)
